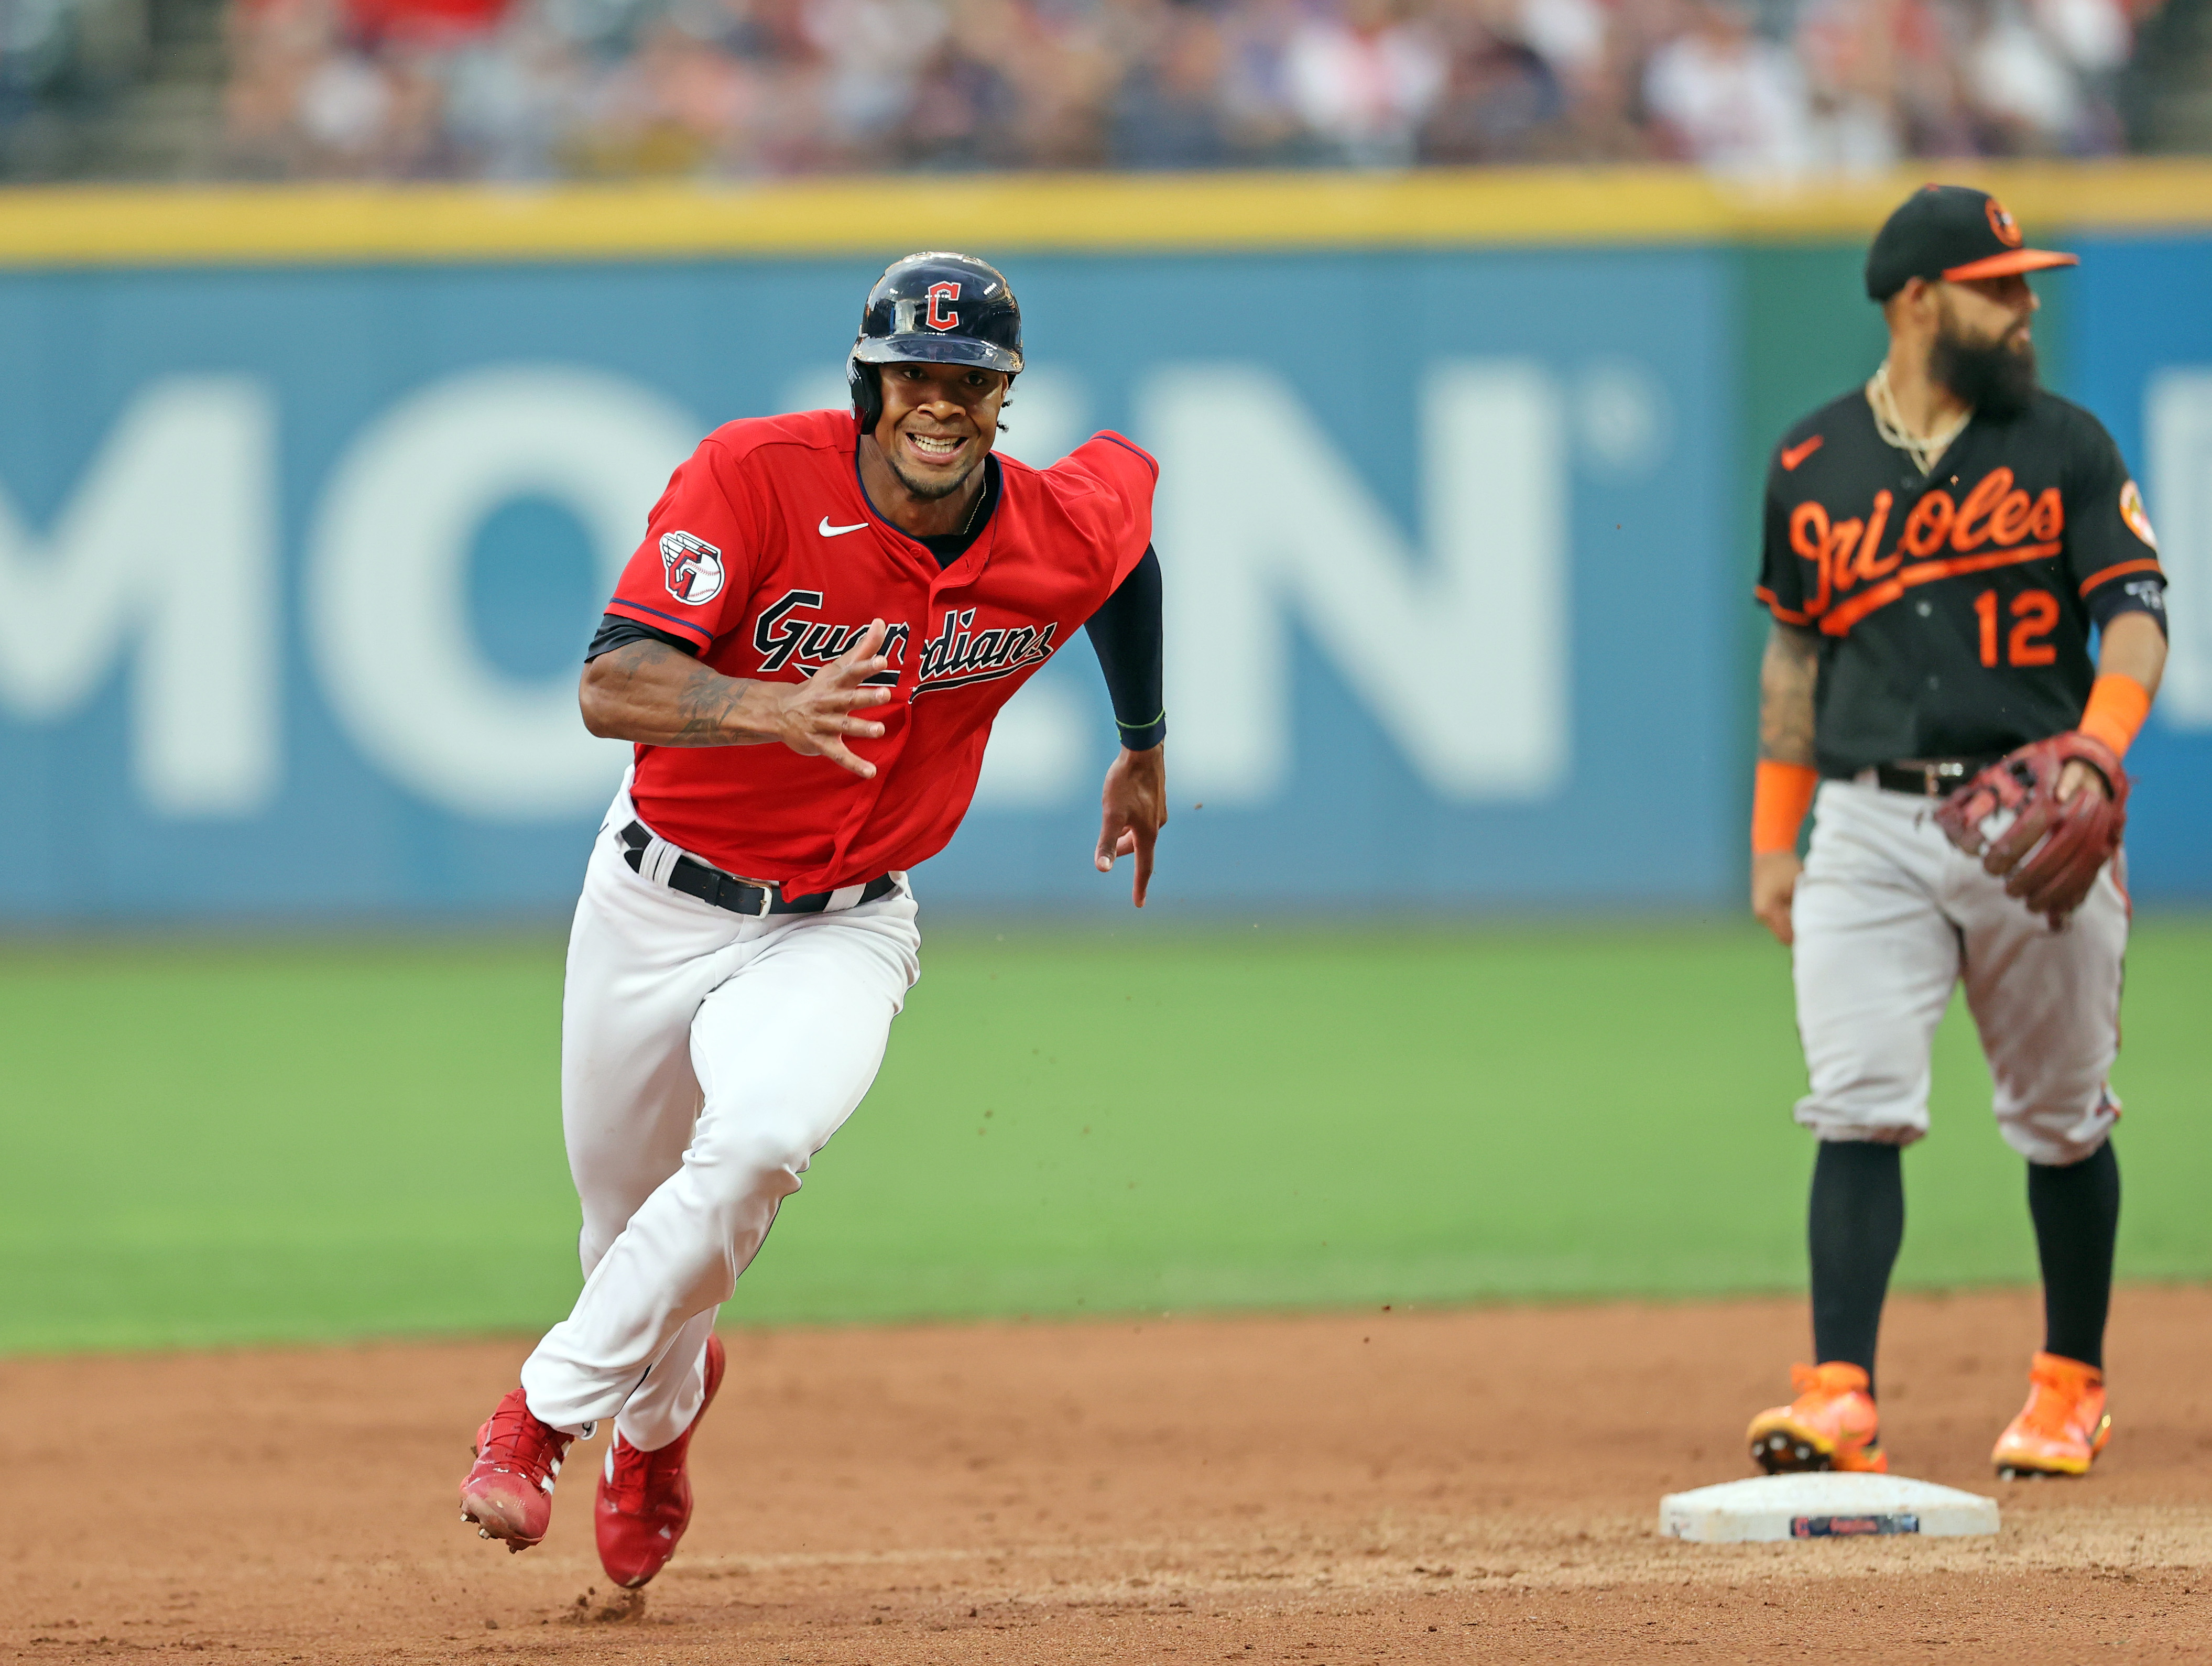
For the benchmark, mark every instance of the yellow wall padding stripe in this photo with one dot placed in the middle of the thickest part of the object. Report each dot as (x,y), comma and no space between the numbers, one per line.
(1042,213)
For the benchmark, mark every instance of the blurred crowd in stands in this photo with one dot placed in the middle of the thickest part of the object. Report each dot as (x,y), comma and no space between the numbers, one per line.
(527,89)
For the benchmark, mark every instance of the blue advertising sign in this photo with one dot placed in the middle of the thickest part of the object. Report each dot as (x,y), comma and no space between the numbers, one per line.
(296,568)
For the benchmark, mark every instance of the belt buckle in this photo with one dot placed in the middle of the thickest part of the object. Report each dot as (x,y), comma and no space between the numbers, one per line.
(1938,776)
(1944,777)
(727,891)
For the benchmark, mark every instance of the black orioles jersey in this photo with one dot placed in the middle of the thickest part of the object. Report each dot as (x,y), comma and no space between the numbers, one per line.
(1954,609)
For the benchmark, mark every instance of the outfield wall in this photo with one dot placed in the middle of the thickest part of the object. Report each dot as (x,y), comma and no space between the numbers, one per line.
(308,500)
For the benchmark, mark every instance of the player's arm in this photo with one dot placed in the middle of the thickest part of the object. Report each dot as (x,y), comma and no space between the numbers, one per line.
(2133,648)
(2113,555)
(651,692)
(1128,636)
(2131,660)
(1787,675)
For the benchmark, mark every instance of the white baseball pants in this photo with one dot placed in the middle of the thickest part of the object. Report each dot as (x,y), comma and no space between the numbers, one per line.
(1889,916)
(705,1058)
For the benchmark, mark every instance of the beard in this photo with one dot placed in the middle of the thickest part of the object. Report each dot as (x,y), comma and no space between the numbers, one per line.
(930,490)
(1997,378)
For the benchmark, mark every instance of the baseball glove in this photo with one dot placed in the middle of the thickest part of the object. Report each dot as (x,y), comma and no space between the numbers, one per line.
(2050,852)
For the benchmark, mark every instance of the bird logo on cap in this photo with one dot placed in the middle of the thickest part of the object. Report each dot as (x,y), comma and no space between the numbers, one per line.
(2002,223)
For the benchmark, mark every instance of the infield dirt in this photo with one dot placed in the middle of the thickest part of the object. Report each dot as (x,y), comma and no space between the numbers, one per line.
(1348,1487)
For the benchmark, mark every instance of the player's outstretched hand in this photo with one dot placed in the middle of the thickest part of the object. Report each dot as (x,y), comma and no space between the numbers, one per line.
(813,718)
(1134,808)
(1773,884)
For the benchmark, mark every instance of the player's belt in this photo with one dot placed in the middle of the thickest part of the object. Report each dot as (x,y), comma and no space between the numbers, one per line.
(1929,777)
(726,890)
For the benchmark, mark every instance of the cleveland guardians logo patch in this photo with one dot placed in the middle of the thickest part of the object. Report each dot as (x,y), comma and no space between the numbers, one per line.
(2131,511)
(694,567)
(937,317)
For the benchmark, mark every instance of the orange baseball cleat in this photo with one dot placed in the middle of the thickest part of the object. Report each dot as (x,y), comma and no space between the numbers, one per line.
(2064,1426)
(645,1498)
(508,1493)
(1830,1425)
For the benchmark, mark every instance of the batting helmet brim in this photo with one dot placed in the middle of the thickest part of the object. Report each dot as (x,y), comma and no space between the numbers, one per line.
(937,349)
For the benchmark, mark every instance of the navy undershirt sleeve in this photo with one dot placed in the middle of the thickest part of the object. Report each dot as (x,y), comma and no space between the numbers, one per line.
(1131,645)
(2143,595)
(614,632)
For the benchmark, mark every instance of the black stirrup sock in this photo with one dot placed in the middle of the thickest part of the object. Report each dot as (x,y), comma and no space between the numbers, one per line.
(2077,1215)
(1854,1228)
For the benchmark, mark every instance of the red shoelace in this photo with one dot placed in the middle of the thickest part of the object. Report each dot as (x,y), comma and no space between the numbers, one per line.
(637,1475)
(516,1440)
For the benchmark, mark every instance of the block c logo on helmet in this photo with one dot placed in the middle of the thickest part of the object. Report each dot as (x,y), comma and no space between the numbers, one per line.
(939,292)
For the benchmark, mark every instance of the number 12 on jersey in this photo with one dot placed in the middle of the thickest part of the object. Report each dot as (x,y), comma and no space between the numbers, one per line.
(2037,613)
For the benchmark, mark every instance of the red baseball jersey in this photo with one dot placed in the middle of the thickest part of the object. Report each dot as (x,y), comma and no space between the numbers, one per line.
(765,551)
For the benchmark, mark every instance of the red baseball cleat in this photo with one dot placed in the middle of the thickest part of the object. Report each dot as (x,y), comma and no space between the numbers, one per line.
(1830,1425)
(645,1498)
(2064,1426)
(508,1493)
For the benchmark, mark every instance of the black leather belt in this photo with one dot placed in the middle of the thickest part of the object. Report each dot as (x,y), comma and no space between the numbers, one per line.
(1929,777)
(726,890)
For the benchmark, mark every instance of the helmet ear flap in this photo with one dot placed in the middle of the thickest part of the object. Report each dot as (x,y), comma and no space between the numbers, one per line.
(866,381)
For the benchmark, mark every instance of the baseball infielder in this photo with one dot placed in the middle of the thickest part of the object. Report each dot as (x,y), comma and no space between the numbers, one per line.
(1939,545)
(808,649)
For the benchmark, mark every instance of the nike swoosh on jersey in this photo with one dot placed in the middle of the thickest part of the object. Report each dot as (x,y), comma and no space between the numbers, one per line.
(1798,453)
(828,531)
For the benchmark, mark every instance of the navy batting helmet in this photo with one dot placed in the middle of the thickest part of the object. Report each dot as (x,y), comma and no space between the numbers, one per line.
(938,308)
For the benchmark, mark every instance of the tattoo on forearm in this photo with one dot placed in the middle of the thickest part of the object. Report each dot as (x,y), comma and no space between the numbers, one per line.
(1786,678)
(704,702)
(667,698)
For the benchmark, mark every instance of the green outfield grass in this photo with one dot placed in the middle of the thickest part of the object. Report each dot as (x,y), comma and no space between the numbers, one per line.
(203,1142)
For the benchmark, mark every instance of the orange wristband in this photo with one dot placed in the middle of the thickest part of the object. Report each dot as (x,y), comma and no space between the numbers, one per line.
(1781,793)
(2116,708)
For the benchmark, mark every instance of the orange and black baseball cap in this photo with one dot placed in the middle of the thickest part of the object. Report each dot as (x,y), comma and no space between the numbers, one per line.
(1951,232)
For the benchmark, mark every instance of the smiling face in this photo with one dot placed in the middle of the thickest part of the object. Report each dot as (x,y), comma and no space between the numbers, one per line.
(938,423)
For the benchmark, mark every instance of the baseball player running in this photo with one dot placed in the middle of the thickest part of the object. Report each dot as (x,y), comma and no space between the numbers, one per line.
(808,649)
(1939,547)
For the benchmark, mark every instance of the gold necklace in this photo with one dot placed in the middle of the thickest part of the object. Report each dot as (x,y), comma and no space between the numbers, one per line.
(1924,450)
(975,509)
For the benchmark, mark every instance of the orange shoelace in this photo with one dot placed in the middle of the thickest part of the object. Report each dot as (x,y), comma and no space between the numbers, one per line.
(2049,1406)
(1815,1379)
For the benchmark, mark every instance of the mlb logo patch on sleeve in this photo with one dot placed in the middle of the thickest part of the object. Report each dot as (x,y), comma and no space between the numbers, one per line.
(694,567)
